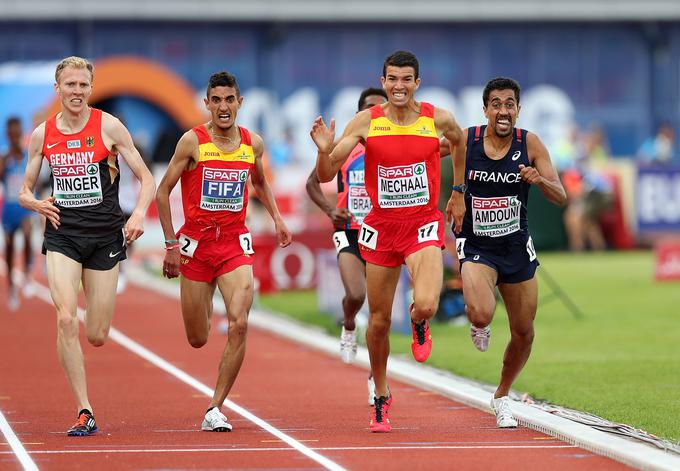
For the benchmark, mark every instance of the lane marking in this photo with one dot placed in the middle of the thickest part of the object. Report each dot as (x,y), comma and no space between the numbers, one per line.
(117,336)
(277,449)
(17,448)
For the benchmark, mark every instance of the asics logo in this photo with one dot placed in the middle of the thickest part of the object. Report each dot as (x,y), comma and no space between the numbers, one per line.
(111,254)
(49,146)
(516,155)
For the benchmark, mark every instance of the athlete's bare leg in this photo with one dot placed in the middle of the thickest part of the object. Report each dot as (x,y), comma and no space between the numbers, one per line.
(353,275)
(63,276)
(427,272)
(196,298)
(237,290)
(520,301)
(9,257)
(382,284)
(28,247)
(479,283)
(100,294)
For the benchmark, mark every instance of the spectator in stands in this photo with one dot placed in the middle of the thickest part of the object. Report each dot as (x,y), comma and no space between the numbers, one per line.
(658,149)
(589,192)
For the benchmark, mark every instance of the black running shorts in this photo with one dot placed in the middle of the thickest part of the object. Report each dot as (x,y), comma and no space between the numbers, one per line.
(94,253)
(347,240)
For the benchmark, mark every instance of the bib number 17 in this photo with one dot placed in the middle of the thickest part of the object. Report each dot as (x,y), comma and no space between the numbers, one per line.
(368,236)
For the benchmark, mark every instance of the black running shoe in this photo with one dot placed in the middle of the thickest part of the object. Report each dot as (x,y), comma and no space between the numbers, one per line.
(84,426)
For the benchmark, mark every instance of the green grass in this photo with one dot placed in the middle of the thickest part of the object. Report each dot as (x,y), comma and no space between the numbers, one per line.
(621,361)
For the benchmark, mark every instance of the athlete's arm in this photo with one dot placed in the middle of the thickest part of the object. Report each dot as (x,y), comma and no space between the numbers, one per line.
(455,207)
(118,139)
(541,172)
(330,158)
(27,199)
(338,216)
(444,147)
(183,159)
(264,193)
(3,165)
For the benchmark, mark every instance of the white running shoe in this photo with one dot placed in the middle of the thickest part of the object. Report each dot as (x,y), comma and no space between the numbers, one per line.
(28,289)
(348,345)
(215,421)
(480,337)
(371,391)
(13,300)
(504,417)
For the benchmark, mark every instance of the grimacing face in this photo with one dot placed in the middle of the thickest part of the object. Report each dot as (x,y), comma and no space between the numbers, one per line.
(74,88)
(400,83)
(502,111)
(223,104)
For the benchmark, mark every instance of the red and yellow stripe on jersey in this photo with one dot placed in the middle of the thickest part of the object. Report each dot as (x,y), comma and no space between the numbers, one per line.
(402,164)
(215,192)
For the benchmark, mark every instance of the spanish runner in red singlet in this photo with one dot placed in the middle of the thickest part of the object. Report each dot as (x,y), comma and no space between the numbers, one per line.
(404,226)
(85,234)
(353,204)
(214,248)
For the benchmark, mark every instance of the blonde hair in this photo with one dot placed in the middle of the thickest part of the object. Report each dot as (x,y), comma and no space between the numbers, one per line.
(76,63)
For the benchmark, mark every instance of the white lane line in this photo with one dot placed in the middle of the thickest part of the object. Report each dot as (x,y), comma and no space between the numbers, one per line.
(17,448)
(43,293)
(330,448)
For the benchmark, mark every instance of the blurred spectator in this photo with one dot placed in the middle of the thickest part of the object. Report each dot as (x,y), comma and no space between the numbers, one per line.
(589,192)
(15,218)
(658,149)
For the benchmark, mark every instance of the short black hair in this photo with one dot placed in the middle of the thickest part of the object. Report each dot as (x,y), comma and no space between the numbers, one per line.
(222,79)
(402,59)
(13,121)
(500,83)
(370,92)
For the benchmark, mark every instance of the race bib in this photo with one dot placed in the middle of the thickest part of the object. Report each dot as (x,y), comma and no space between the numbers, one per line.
(429,231)
(403,186)
(340,240)
(358,203)
(246,241)
(531,250)
(495,217)
(77,185)
(460,247)
(222,189)
(368,237)
(187,245)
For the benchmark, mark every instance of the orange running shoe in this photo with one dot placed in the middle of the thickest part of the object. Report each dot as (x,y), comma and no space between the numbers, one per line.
(84,426)
(380,422)
(422,341)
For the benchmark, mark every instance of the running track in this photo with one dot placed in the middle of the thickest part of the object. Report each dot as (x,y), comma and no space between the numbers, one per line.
(150,418)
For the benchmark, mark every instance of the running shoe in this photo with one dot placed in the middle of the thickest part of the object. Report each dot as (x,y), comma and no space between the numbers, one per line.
(480,337)
(371,391)
(348,345)
(13,300)
(84,426)
(422,341)
(504,417)
(215,421)
(28,289)
(380,422)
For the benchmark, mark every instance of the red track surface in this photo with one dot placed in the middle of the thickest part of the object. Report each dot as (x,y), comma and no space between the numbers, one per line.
(148,419)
